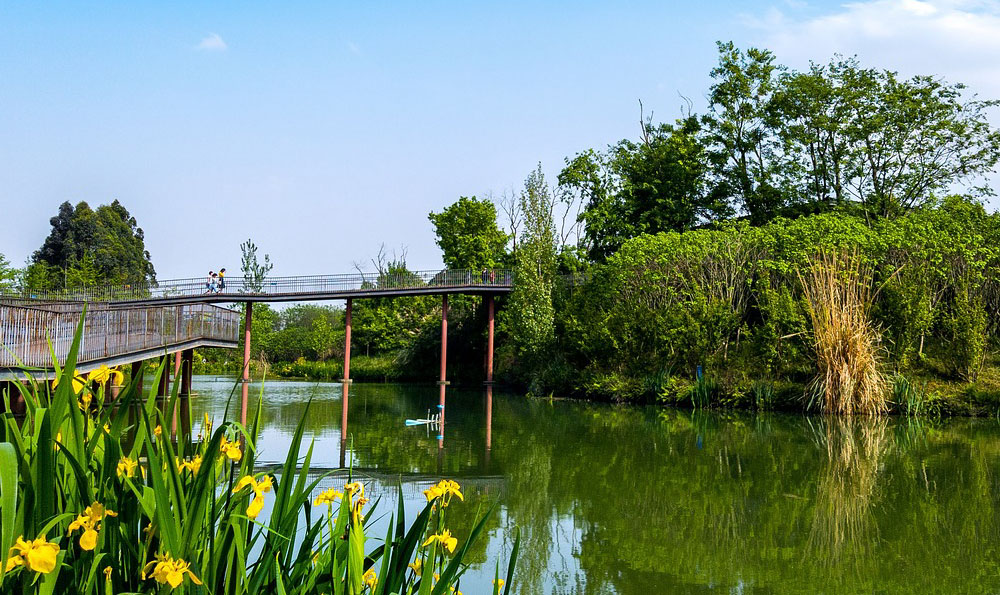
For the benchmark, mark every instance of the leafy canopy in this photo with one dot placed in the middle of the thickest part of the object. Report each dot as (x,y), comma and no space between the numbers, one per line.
(468,235)
(88,246)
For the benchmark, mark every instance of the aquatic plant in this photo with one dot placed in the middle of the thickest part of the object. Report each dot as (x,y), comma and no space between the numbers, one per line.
(96,498)
(838,291)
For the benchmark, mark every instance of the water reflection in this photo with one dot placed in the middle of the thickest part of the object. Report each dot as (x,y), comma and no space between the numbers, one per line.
(625,500)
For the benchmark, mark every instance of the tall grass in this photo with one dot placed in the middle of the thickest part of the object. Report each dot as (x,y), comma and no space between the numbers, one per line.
(95,498)
(838,292)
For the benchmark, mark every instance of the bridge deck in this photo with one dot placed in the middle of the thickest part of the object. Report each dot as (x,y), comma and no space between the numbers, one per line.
(284,289)
(111,336)
(126,323)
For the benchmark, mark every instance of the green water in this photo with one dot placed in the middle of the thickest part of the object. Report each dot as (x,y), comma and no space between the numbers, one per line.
(642,500)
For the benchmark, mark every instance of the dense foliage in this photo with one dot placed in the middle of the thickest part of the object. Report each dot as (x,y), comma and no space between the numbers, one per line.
(89,246)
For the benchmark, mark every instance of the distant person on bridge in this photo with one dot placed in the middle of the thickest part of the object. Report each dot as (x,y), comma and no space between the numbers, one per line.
(210,282)
(222,279)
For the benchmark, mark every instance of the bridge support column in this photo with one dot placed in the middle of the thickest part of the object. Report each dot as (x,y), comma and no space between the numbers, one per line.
(346,381)
(187,369)
(177,405)
(490,316)
(248,323)
(489,418)
(135,374)
(163,389)
(443,382)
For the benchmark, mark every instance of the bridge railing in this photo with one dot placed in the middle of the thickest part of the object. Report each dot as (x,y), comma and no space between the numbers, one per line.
(241,286)
(26,332)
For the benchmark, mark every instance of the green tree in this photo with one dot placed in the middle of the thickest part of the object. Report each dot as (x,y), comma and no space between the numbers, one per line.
(468,235)
(530,315)
(254,272)
(740,126)
(652,185)
(87,246)
(8,274)
(890,144)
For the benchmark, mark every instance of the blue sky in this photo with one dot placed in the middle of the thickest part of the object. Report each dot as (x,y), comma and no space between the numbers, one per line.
(322,130)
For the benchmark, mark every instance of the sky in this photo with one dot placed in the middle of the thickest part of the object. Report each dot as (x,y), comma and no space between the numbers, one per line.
(324,130)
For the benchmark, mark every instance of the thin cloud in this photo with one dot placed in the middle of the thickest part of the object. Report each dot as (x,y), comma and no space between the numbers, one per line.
(353,47)
(955,39)
(212,42)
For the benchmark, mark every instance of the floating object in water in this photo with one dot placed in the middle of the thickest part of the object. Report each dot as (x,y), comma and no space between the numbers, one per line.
(429,420)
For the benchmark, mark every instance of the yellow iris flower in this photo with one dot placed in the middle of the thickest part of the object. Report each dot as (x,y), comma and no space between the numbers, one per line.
(166,570)
(444,489)
(192,465)
(126,468)
(104,373)
(445,539)
(78,384)
(328,497)
(38,555)
(417,565)
(90,522)
(258,487)
(369,578)
(231,450)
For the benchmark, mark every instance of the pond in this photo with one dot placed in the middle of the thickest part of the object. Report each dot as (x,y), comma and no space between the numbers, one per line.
(612,499)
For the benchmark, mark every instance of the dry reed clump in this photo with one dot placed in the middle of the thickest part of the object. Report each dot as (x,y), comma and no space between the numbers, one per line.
(838,290)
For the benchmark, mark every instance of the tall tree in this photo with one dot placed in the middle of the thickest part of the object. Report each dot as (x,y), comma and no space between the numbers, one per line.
(89,246)
(867,136)
(652,185)
(531,315)
(741,131)
(254,272)
(468,235)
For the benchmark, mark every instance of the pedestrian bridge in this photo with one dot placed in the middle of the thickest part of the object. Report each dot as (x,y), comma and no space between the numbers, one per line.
(281,289)
(129,323)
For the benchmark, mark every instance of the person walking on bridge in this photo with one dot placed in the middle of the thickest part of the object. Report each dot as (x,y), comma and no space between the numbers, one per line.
(222,280)
(210,282)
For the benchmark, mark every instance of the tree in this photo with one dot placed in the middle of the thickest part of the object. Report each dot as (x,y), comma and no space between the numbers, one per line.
(87,246)
(746,151)
(654,185)
(530,311)
(468,235)
(8,274)
(254,272)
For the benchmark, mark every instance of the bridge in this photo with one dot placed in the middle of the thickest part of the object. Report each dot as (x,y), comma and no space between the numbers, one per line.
(126,324)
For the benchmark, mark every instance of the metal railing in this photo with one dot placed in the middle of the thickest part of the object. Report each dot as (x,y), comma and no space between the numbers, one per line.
(26,332)
(239,286)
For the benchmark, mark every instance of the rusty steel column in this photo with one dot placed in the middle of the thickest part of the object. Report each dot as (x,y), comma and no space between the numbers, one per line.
(187,368)
(489,417)
(135,373)
(163,388)
(490,316)
(346,381)
(443,382)
(248,323)
(347,340)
